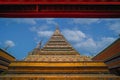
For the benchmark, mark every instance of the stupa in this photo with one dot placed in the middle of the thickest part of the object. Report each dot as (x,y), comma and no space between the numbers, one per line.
(57,49)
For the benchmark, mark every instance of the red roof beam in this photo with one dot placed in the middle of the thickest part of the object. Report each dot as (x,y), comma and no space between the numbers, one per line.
(95,2)
(62,15)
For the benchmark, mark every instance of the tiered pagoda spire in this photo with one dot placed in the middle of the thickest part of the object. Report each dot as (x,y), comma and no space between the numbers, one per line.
(58,44)
(39,45)
(56,49)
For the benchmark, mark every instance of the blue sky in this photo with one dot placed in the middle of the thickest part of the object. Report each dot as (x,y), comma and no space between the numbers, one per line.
(88,36)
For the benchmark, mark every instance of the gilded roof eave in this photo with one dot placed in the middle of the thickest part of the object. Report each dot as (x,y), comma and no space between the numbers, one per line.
(57,64)
(6,55)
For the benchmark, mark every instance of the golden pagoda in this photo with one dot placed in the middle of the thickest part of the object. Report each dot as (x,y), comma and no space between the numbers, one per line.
(57,49)
(57,60)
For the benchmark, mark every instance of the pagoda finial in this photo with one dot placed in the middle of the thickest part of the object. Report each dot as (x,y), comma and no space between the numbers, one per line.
(39,45)
(57,31)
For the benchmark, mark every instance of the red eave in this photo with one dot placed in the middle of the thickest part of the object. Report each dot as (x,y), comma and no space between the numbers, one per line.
(62,15)
(62,2)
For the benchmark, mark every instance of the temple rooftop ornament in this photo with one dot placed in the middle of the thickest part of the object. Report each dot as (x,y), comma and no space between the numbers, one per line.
(39,45)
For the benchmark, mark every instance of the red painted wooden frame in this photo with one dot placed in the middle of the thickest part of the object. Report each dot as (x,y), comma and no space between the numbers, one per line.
(62,14)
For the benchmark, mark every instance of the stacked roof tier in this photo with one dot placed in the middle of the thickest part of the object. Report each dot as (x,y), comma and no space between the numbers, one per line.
(56,49)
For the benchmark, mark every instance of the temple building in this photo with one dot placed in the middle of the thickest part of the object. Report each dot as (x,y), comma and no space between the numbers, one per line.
(58,60)
(111,56)
(5,60)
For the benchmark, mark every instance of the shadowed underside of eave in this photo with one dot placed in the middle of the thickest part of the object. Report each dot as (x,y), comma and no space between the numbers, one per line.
(60,9)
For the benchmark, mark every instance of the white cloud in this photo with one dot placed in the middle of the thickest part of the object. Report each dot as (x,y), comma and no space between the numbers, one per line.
(9,43)
(33,28)
(74,35)
(115,27)
(41,31)
(51,21)
(40,28)
(110,19)
(25,20)
(88,44)
(45,33)
(48,21)
(85,21)
(93,47)
(104,42)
